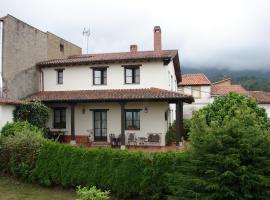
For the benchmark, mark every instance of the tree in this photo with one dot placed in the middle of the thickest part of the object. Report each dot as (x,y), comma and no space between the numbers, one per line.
(35,113)
(230,153)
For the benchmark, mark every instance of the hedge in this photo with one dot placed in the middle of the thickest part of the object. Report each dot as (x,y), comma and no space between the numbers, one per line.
(124,173)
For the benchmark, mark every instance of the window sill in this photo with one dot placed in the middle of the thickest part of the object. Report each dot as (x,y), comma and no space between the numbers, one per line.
(131,83)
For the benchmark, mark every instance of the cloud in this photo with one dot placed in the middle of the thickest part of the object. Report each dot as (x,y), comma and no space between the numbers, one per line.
(224,33)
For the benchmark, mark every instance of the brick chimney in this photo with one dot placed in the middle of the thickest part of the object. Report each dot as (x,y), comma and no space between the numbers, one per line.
(133,48)
(157,38)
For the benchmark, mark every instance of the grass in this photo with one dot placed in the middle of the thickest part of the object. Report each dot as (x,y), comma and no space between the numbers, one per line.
(12,189)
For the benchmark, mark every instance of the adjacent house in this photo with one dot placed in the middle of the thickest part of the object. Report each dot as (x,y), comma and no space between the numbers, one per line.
(224,87)
(21,47)
(199,86)
(7,107)
(263,98)
(97,97)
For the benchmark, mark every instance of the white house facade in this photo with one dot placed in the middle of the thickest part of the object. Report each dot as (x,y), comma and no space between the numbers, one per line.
(127,95)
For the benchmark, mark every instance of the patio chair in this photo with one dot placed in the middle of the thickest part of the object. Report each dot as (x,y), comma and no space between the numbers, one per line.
(113,140)
(154,138)
(132,139)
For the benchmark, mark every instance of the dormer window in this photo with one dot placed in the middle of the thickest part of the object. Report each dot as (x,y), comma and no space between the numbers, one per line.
(132,74)
(99,76)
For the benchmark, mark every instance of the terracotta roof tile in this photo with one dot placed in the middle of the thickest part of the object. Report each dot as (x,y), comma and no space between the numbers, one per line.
(223,90)
(109,95)
(260,96)
(194,79)
(9,101)
(111,57)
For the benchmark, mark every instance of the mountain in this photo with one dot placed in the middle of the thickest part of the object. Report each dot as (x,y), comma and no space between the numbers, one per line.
(249,79)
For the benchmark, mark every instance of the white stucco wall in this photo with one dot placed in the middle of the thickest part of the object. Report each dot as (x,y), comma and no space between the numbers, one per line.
(267,108)
(6,114)
(151,122)
(152,74)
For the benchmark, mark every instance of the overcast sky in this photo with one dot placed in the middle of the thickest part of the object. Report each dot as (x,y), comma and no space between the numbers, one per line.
(207,33)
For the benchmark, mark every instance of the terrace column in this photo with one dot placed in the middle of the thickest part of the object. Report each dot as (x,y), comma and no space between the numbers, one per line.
(122,104)
(72,121)
(179,122)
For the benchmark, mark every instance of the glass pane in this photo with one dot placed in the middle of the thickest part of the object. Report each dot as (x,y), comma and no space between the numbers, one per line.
(136,124)
(128,123)
(97,124)
(129,72)
(137,79)
(104,115)
(136,115)
(137,72)
(128,115)
(97,81)
(97,132)
(97,73)
(104,132)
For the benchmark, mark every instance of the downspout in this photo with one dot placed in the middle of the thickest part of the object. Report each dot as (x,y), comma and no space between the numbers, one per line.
(1,58)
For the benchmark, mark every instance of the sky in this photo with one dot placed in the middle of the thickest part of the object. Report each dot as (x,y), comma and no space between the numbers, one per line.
(208,33)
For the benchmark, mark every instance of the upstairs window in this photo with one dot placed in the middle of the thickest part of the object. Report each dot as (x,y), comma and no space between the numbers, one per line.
(132,75)
(59,120)
(61,46)
(60,74)
(99,76)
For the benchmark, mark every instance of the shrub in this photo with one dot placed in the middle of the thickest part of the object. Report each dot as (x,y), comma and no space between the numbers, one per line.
(19,150)
(18,127)
(170,135)
(91,194)
(229,156)
(124,173)
(35,113)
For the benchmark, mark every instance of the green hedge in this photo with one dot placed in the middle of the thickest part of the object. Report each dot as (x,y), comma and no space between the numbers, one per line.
(123,173)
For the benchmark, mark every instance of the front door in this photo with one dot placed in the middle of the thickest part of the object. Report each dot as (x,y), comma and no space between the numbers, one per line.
(100,125)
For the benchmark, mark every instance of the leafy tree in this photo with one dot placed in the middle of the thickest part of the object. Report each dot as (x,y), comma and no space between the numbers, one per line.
(35,113)
(230,153)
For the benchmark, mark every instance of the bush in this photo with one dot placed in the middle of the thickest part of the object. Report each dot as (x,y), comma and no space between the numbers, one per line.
(170,135)
(18,127)
(91,194)
(19,149)
(35,113)
(229,156)
(124,173)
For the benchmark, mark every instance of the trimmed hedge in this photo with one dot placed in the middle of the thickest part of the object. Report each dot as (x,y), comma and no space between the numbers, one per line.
(124,173)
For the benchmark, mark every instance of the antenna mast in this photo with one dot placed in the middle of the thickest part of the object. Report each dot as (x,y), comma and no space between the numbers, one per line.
(86,33)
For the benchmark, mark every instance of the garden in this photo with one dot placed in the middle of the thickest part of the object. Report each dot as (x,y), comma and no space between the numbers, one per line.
(228,158)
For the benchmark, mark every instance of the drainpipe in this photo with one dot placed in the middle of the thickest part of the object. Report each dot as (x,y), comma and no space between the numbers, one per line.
(1,58)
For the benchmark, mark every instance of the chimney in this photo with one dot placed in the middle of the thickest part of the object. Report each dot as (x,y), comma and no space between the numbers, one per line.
(157,38)
(133,48)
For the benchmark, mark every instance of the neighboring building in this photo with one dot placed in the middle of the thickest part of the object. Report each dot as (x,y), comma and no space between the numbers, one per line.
(7,107)
(21,47)
(263,98)
(224,87)
(199,87)
(125,94)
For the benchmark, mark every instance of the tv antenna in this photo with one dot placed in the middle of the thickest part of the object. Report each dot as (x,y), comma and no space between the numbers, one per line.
(86,33)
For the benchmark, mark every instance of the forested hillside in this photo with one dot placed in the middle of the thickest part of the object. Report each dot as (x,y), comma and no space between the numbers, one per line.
(249,79)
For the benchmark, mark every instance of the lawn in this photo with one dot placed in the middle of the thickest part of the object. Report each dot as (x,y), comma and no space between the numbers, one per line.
(12,189)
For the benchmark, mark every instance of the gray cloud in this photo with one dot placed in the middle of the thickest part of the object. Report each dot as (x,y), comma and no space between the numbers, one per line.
(223,33)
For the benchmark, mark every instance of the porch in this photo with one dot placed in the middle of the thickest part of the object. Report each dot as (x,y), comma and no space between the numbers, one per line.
(138,117)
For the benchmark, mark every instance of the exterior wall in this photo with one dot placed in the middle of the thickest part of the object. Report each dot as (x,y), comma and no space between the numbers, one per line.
(152,74)
(1,58)
(54,47)
(267,108)
(6,114)
(23,47)
(151,122)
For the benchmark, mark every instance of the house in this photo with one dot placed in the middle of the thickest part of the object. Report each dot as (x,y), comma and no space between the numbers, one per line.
(7,106)
(21,47)
(263,99)
(199,86)
(224,87)
(95,97)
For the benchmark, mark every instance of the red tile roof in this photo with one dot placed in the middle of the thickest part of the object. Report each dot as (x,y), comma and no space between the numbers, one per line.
(9,101)
(261,96)
(109,95)
(112,57)
(194,79)
(223,90)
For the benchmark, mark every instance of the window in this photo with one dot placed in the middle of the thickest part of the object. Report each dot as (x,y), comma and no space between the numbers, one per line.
(132,75)
(196,92)
(59,119)
(59,76)
(61,46)
(100,76)
(132,119)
